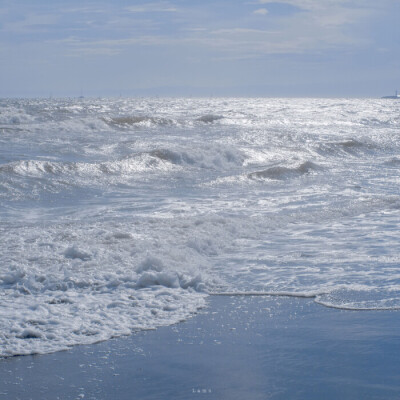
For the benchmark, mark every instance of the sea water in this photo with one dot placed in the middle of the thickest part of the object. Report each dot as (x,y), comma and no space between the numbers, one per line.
(125,214)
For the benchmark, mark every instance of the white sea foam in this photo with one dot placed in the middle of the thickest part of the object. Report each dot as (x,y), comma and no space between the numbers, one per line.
(124,214)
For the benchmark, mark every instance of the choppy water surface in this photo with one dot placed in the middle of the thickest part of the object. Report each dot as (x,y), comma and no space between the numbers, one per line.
(123,214)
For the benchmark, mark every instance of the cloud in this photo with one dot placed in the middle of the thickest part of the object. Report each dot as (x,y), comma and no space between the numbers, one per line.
(31,23)
(261,11)
(241,31)
(76,47)
(108,30)
(93,51)
(86,10)
(330,11)
(152,7)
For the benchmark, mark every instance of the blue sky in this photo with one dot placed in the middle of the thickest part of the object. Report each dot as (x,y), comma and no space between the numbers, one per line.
(199,48)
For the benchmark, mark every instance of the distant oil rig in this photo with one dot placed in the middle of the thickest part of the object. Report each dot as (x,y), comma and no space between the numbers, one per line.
(396,96)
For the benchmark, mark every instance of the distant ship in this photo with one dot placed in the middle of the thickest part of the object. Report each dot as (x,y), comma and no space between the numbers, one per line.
(396,96)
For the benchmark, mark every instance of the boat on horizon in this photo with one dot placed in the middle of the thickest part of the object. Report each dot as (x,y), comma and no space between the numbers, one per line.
(396,96)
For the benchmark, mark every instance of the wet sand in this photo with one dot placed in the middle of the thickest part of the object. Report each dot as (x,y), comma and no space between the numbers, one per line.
(237,348)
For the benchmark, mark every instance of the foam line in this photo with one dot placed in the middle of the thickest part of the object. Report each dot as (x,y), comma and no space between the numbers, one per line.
(276,294)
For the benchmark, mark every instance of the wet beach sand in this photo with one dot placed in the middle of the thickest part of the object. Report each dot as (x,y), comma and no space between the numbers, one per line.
(240,347)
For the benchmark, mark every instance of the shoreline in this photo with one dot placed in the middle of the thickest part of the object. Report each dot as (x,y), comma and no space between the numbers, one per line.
(252,347)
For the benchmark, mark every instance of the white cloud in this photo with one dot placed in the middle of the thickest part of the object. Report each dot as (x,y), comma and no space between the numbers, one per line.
(261,11)
(83,10)
(241,31)
(152,7)
(93,51)
(322,26)
(31,23)
(194,29)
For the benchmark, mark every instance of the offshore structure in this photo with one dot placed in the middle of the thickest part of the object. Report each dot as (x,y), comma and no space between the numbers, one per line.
(396,96)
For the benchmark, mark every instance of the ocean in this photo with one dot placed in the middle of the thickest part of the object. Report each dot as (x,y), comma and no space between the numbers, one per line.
(118,215)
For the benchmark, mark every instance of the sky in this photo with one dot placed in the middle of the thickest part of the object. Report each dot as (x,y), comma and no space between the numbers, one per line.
(311,48)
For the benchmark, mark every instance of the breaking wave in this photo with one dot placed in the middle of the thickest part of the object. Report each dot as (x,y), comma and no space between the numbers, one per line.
(360,299)
(58,296)
(344,148)
(209,118)
(158,159)
(394,162)
(32,168)
(144,121)
(280,173)
(124,214)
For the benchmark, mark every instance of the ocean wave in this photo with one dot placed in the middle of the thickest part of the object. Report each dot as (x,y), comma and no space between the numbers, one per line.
(13,117)
(140,120)
(174,157)
(202,156)
(280,173)
(394,162)
(360,299)
(10,129)
(209,118)
(37,167)
(342,298)
(380,123)
(345,148)
(161,159)
(352,144)
(30,179)
(123,214)
(128,165)
(82,284)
